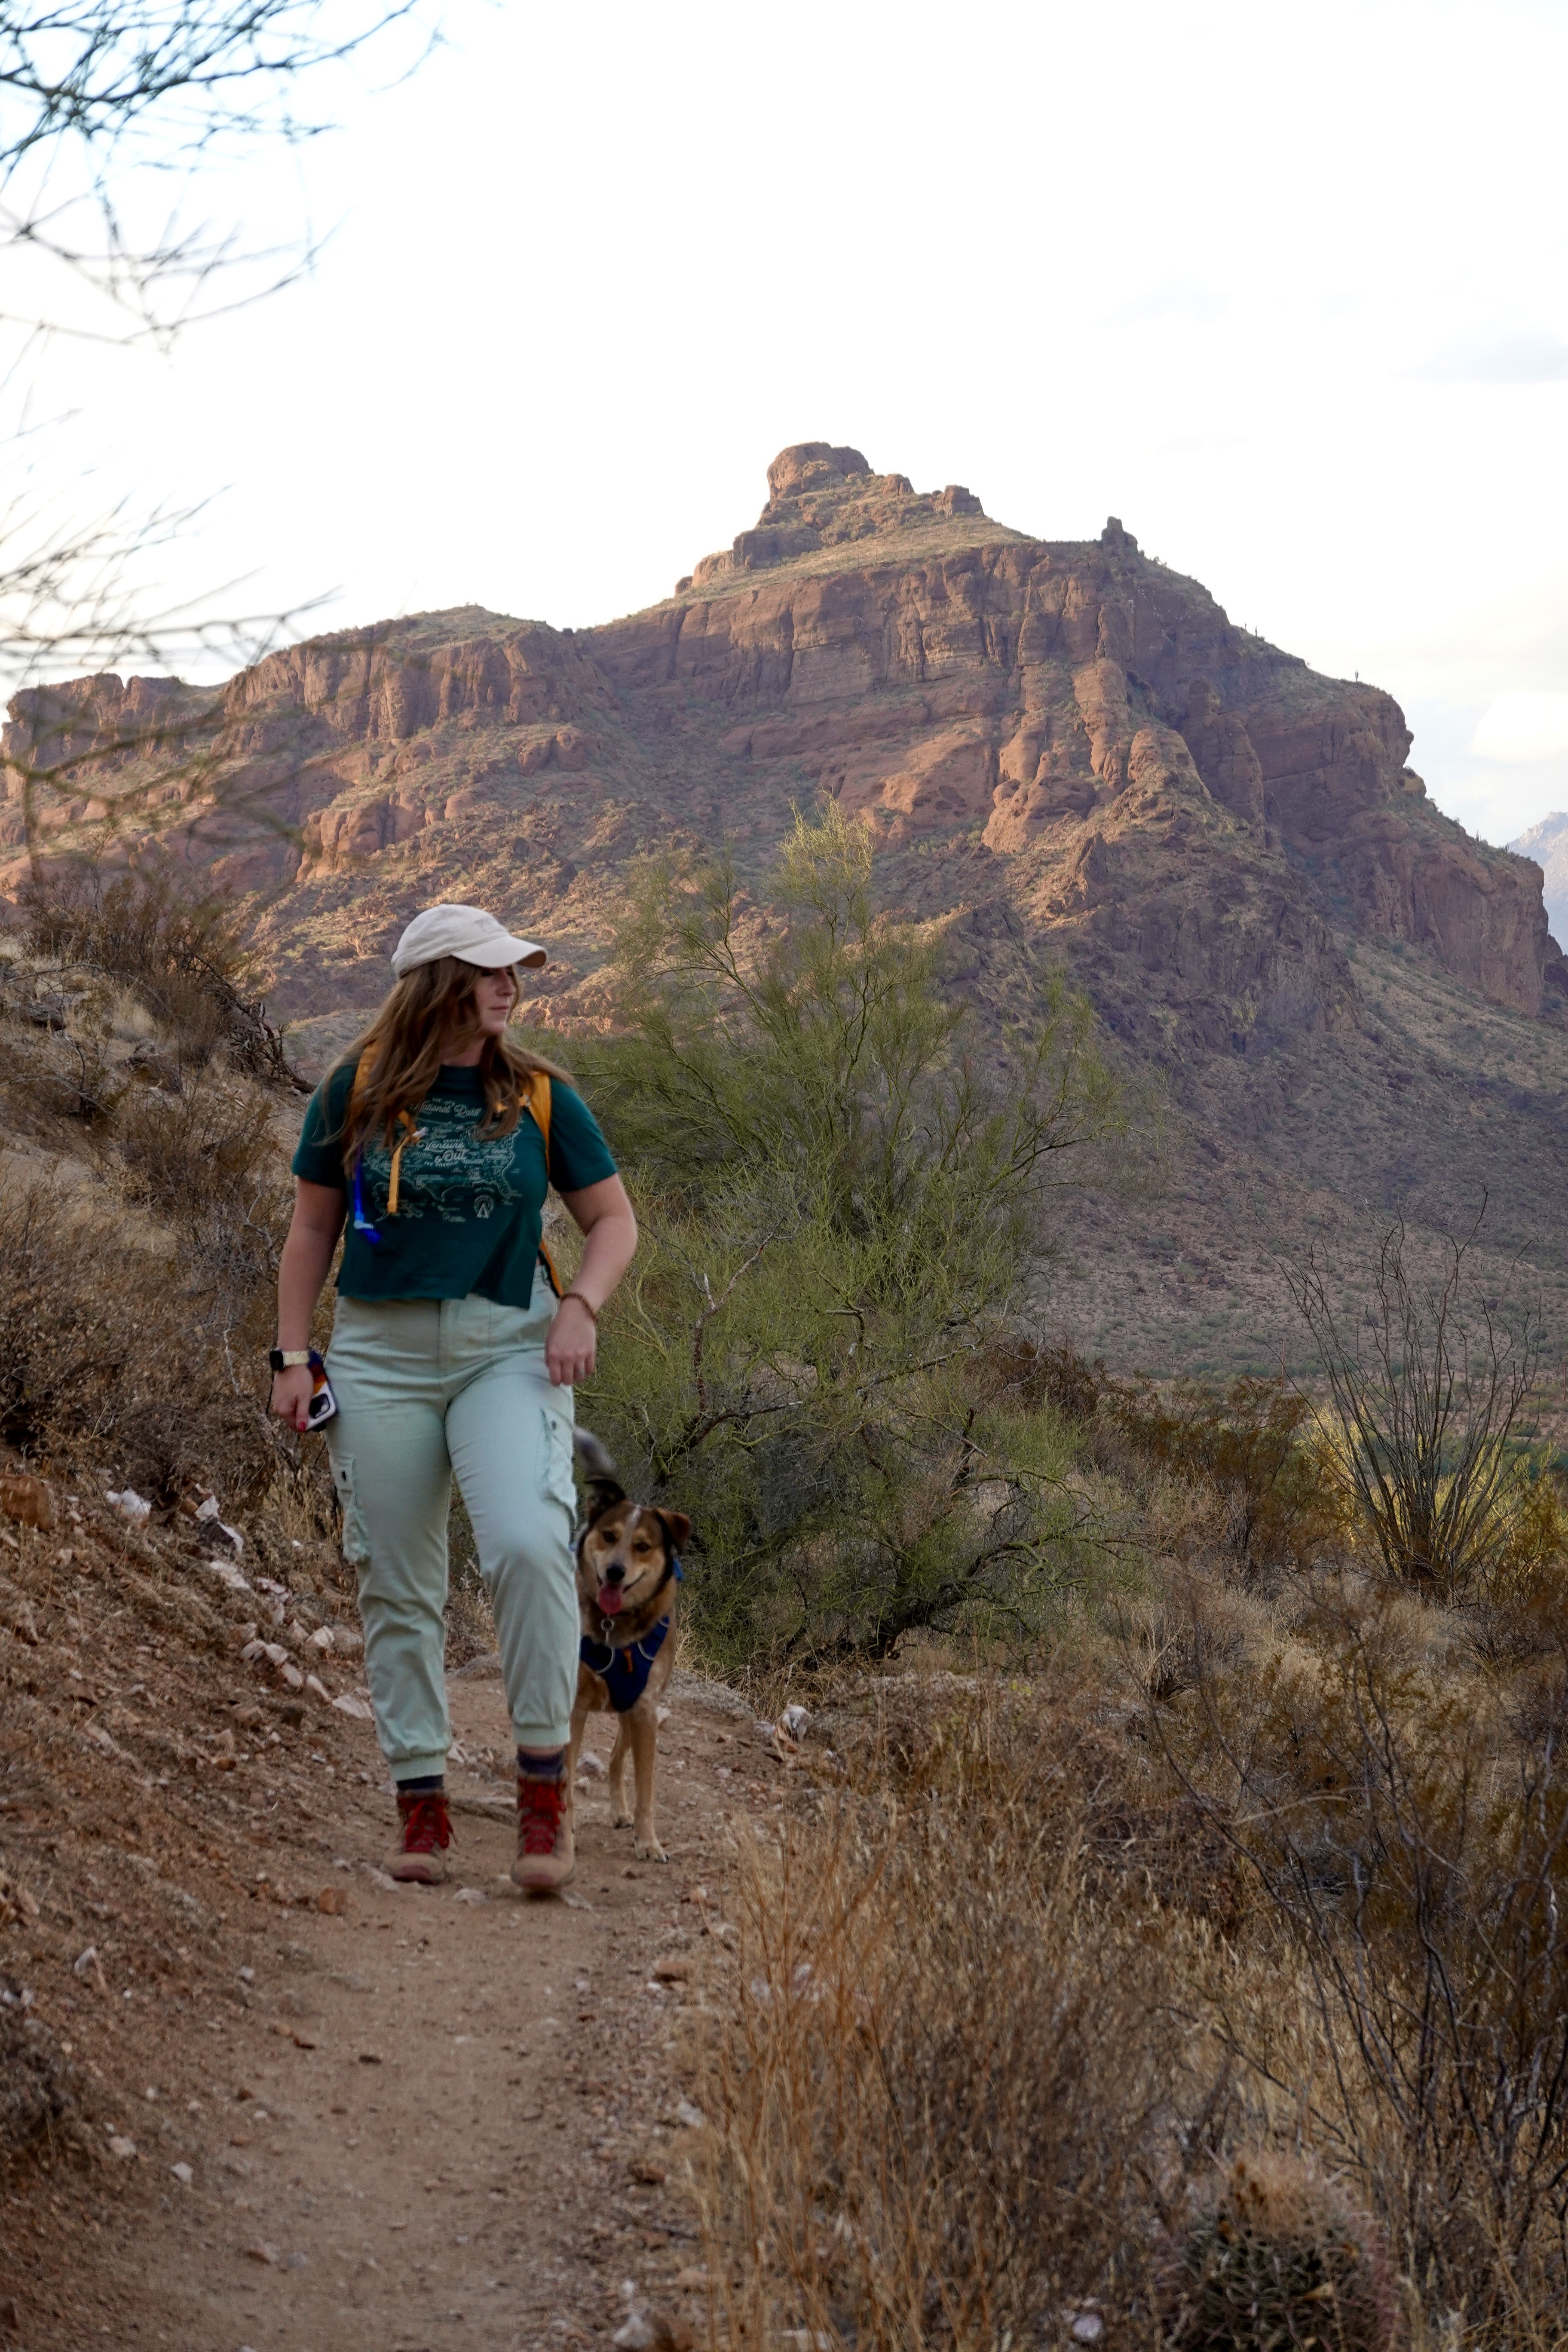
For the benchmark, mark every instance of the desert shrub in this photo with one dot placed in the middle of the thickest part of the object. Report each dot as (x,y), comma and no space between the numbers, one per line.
(1276,2257)
(1059,1377)
(1413,1843)
(1538,1530)
(56,1334)
(846,1491)
(183,956)
(1522,1612)
(1427,1383)
(111,1354)
(1181,1635)
(1253,1444)
(822,1053)
(207,1167)
(840,1207)
(1267,2048)
(921,2137)
(135,1290)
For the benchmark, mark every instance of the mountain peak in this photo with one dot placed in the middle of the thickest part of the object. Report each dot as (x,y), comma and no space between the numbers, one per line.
(822,497)
(811,465)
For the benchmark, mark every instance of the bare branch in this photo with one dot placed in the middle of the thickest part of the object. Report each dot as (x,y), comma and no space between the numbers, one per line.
(99,99)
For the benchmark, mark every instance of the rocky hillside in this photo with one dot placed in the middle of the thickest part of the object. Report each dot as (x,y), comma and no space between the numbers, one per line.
(1067,750)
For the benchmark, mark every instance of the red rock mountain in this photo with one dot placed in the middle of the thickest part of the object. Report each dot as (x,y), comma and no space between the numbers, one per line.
(1067,751)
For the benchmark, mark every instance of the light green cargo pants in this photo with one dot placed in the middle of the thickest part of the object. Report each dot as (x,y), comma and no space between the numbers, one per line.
(427,1387)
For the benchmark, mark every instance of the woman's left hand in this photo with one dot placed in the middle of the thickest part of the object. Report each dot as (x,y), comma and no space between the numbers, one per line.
(569,1349)
(602,1215)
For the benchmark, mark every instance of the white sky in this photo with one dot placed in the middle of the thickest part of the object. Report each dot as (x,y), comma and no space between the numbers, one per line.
(1281,286)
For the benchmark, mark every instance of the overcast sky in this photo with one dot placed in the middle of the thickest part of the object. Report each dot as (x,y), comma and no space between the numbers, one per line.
(1282,286)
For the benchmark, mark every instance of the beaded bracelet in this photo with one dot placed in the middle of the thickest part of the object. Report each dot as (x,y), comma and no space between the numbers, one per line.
(593,1310)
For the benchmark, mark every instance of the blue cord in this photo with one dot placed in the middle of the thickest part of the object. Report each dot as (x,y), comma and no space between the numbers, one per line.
(362,1223)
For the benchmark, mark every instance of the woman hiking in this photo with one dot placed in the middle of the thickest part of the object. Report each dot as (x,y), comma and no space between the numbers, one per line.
(452,1349)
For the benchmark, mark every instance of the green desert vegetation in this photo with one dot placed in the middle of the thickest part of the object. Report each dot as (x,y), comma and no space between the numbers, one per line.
(1161,1943)
(846,1195)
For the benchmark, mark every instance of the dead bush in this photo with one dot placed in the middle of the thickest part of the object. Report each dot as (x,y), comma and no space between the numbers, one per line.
(205,1165)
(116,1355)
(1244,1454)
(1412,1842)
(1250,1445)
(921,2136)
(1522,1612)
(57,1334)
(1056,1375)
(59,1089)
(184,958)
(1014,2003)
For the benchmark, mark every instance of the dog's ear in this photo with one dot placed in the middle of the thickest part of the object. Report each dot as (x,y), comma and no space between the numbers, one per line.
(676,1527)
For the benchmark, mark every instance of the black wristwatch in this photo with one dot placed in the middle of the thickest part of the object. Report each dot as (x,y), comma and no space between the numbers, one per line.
(288,1359)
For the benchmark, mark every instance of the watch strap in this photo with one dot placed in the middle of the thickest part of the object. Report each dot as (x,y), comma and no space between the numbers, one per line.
(287,1359)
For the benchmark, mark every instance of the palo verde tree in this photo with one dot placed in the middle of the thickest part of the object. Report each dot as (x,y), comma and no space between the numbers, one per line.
(846,1190)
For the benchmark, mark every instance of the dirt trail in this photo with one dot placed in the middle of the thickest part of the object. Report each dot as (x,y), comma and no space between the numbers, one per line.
(444,2116)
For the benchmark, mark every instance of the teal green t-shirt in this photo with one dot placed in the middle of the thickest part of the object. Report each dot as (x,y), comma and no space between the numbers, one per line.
(469,1206)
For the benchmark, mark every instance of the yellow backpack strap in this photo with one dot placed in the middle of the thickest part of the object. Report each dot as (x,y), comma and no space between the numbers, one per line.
(538,1103)
(538,1107)
(409,1134)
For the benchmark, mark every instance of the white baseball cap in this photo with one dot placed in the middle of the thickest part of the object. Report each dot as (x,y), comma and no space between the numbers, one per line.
(465,931)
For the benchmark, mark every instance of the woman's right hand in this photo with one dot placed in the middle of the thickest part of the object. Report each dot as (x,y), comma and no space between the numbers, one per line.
(291,1395)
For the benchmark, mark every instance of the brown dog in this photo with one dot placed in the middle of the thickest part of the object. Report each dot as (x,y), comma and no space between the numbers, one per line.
(628,1567)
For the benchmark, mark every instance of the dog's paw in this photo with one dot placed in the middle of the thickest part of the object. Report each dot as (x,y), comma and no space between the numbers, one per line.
(620,1819)
(650,1849)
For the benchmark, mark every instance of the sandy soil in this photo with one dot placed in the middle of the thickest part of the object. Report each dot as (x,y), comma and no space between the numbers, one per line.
(445,2116)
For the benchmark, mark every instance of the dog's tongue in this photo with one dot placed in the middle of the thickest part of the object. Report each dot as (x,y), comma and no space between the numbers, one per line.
(610,1600)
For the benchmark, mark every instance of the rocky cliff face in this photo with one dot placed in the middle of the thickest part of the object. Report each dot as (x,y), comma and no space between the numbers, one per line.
(1069,731)
(1156,779)
(1065,750)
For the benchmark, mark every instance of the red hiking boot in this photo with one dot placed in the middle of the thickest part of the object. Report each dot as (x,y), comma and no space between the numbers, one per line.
(420,1852)
(545,1858)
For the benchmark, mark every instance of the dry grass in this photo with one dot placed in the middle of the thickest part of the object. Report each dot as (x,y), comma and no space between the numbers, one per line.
(921,2140)
(1012,1995)
(142,1221)
(119,1353)
(181,959)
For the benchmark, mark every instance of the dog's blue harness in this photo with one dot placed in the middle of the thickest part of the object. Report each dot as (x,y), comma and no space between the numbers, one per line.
(624,1671)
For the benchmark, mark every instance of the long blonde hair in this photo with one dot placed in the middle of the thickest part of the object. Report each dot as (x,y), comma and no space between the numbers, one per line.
(397,1059)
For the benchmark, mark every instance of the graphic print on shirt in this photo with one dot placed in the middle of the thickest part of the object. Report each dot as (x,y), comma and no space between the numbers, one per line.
(451,1172)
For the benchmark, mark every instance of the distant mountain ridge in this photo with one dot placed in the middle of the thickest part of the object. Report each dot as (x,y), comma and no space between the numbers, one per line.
(1547,844)
(1067,754)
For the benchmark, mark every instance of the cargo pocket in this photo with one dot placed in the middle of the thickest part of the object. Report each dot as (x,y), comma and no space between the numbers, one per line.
(356,1544)
(559,1483)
